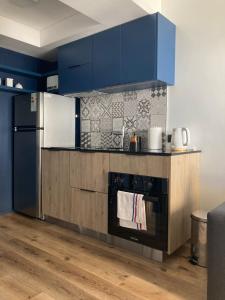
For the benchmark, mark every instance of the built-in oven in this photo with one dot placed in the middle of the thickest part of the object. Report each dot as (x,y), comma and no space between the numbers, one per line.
(155,191)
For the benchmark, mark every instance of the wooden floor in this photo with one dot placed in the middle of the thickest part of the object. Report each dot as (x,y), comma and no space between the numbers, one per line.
(41,261)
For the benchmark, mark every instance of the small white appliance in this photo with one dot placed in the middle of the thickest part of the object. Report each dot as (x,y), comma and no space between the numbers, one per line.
(180,139)
(52,83)
(155,138)
(9,82)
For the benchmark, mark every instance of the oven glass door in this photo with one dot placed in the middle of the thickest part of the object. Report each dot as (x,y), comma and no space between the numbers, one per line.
(155,191)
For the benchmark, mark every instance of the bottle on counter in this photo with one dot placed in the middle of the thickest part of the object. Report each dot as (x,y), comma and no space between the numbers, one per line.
(133,143)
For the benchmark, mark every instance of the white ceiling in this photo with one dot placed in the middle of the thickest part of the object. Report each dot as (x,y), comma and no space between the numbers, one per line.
(37,27)
(37,15)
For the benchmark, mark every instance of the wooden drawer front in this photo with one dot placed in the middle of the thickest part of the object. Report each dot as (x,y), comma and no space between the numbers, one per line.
(56,194)
(89,171)
(157,166)
(90,210)
(101,213)
(75,170)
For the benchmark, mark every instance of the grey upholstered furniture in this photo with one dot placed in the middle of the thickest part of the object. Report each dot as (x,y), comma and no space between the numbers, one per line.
(216,253)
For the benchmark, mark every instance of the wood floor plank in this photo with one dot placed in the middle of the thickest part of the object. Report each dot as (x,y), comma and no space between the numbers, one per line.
(105,269)
(122,278)
(94,285)
(169,279)
(42,296)
(15,289)
(29,271)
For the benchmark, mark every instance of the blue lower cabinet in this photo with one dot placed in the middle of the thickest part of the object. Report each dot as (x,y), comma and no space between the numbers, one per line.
(75,79)
(107,58)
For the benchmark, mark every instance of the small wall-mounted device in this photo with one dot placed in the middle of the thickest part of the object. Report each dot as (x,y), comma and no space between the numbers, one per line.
(52,83)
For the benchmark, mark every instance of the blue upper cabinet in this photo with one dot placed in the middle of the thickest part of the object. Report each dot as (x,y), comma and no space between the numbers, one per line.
(74,54)
(166,42)
(107,58)
(136,54)
(148,50)
(75,66)
(139,50)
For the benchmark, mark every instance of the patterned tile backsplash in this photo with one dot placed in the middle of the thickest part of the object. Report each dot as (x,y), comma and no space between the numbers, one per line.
(103,116)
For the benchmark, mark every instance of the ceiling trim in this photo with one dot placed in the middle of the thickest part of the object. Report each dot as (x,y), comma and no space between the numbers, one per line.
(19,32)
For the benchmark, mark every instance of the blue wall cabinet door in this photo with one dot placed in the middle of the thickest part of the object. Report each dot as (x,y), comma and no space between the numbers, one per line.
(75,53)
(140,53)
(107,58)
(139,50)
(75,79)
(74,66)
(148,50)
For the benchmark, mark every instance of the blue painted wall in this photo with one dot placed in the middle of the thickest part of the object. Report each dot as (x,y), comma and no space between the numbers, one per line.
(27,63)
(5,152)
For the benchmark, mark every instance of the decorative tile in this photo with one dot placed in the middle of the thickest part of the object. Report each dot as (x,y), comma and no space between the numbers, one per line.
(117,141)
(158,91)
(130,108)
(143,123)
(126,141)
(85,140)
(106,124)
(106,139)
(101,114)
(95,125)
(159,105)
(146,94)
(106,110)
(96,111)
(85,126)
(93,101)
(117,124)
(117,109)
(144,107)
(158,120)
(130,123)
(85,112)
(96,139)
(117,97)
(129,96)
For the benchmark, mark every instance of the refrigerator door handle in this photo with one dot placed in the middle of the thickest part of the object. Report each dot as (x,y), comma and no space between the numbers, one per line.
(26,129)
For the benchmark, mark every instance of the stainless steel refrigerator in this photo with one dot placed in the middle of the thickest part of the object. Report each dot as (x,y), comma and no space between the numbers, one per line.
(40,120)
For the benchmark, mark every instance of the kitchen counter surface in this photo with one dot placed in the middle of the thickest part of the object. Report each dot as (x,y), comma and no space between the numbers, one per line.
(113,150)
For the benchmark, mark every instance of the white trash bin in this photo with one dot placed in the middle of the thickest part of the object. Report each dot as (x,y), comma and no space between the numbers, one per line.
(199,237)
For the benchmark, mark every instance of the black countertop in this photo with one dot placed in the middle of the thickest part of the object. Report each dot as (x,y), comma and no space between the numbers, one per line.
(112,150)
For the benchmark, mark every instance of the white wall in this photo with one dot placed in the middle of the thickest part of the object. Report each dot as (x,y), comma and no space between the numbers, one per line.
(197,100)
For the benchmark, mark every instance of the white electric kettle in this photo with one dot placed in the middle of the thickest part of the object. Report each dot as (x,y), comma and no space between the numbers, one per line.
(180,138)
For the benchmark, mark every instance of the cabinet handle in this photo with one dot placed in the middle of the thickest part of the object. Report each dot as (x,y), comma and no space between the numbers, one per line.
(77,66)
(86,190)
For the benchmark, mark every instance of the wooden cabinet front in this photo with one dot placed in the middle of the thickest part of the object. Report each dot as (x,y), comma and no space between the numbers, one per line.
(146,165)
(89,171)
(56,194)
(90,210)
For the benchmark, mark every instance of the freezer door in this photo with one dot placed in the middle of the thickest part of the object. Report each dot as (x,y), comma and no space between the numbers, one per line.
(59,121)
(27,172)
(28,110)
